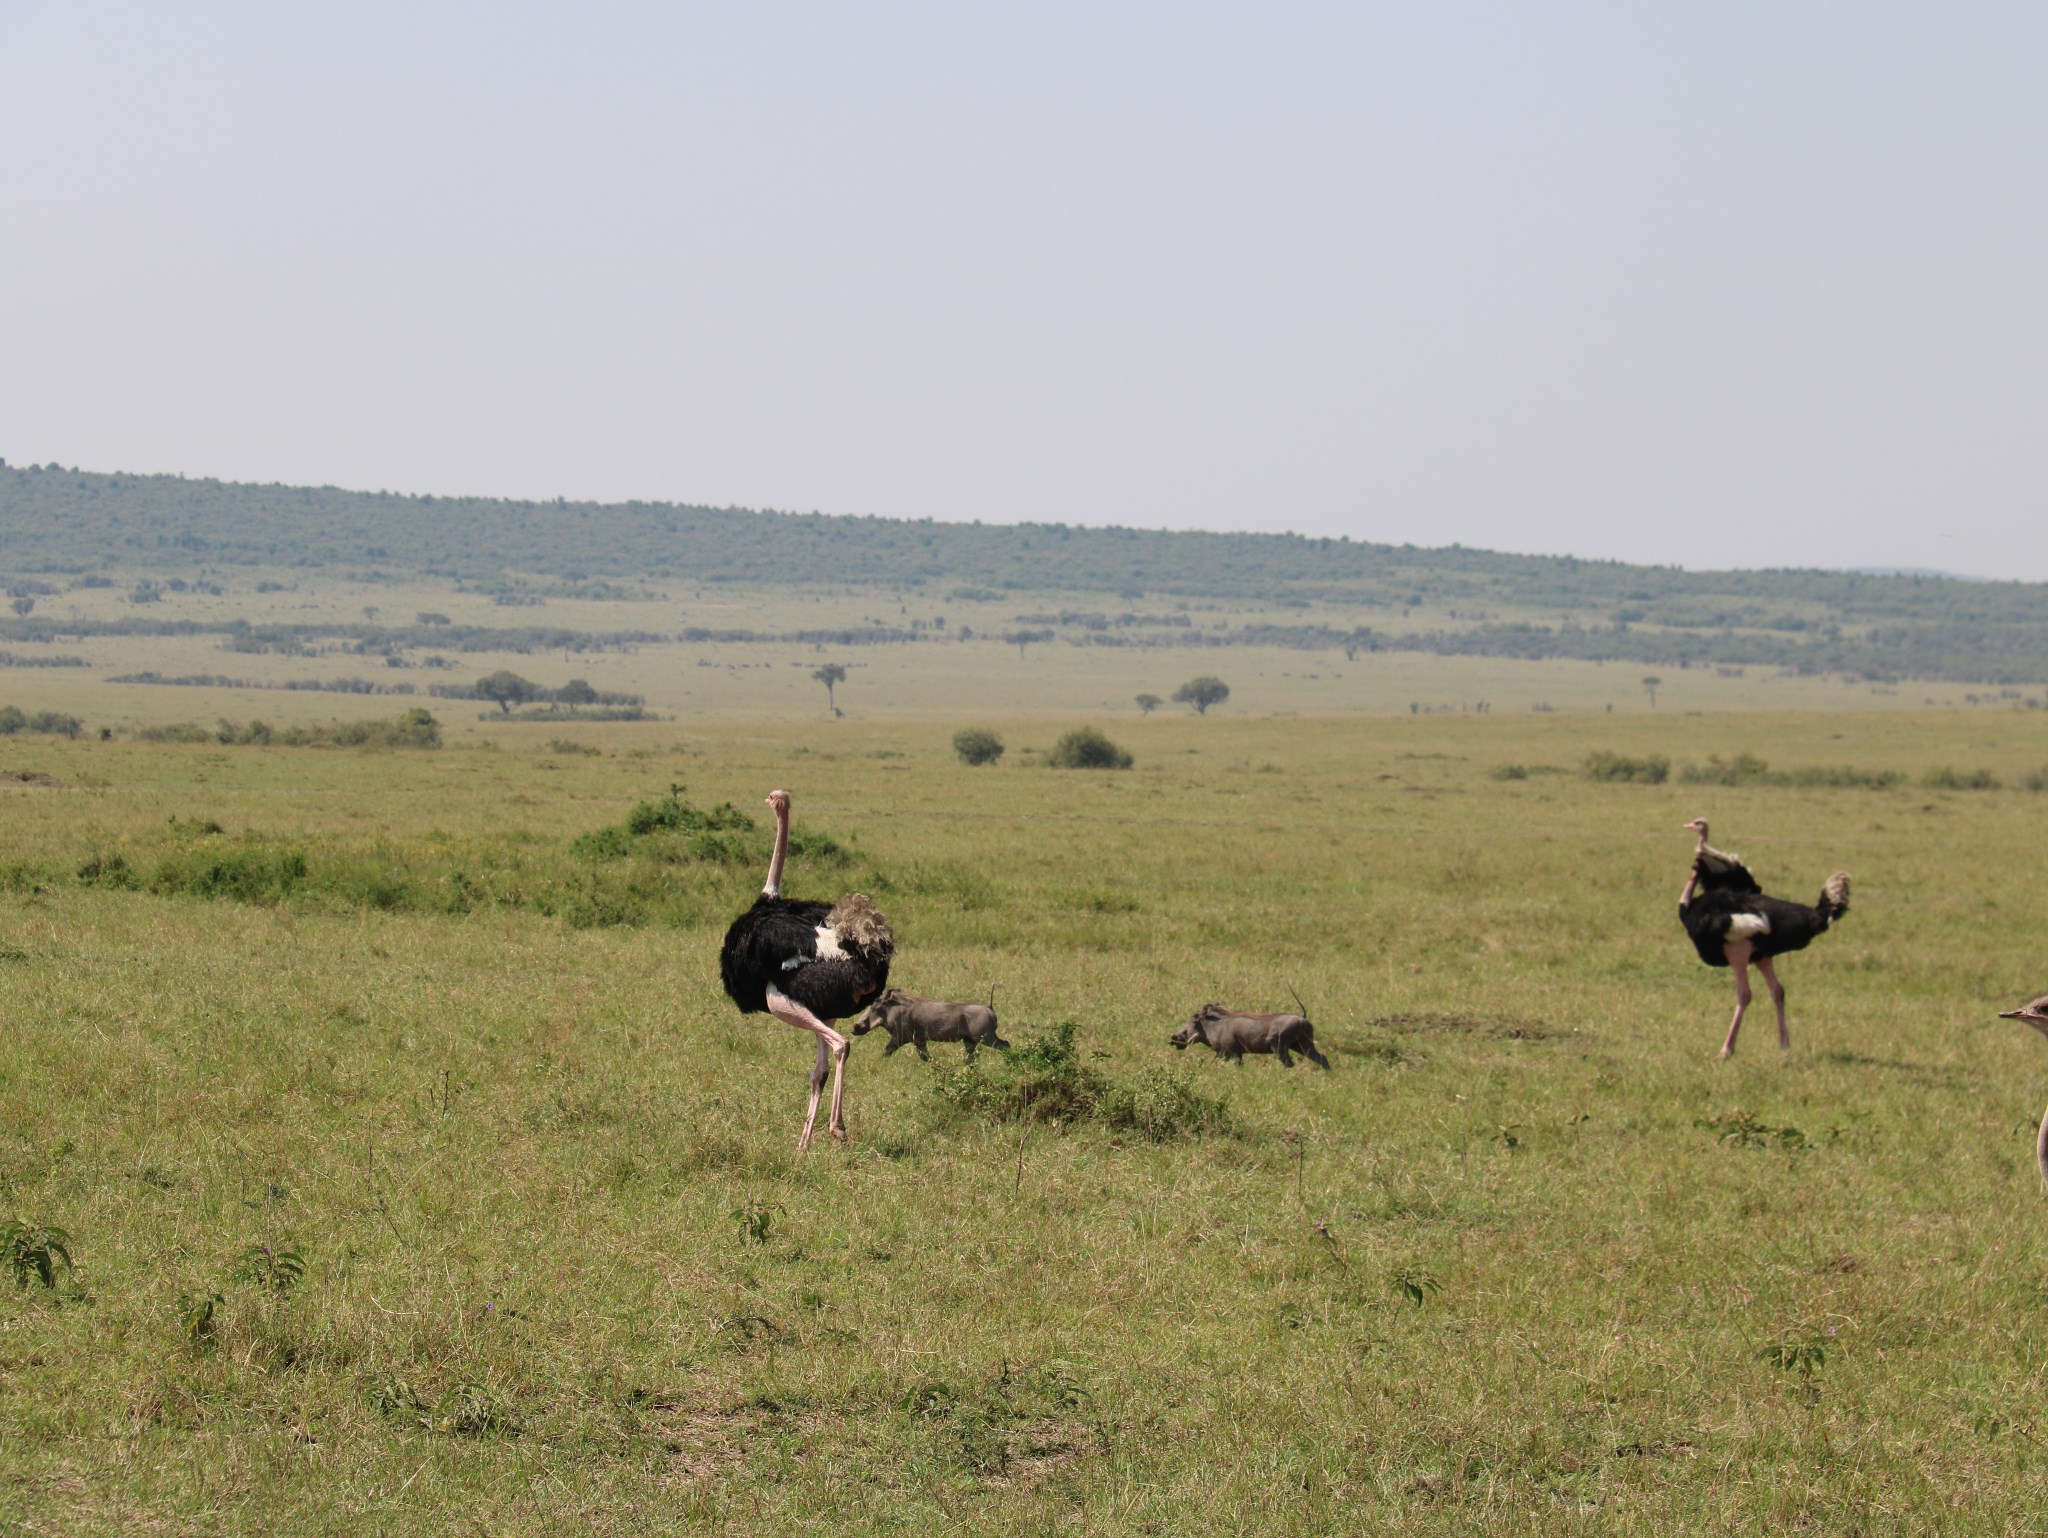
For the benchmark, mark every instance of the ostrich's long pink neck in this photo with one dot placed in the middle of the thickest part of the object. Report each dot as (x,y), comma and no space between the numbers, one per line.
(2041,1148)
(773,888)
(1693,877)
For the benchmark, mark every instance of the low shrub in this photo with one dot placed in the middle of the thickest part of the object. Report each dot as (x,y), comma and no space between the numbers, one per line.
(1748,769)
(416,728)
(976,746)
(1087,748)
(49,722)
(1616,768)
(1945,778)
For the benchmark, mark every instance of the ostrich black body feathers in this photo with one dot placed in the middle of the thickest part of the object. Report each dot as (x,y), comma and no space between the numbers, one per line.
(832,958)
(1729,906)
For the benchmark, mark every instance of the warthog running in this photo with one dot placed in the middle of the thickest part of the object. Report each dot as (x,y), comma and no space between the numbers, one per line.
(911,1020)
(1231,1034)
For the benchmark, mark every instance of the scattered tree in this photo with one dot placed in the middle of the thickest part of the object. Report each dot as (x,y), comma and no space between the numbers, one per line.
(1147,703)
(576,692)
(1023,638)
(508,689)
(1650,686)
(976,746)
(831,675)
(1202,693)
(24,607)
(1086,748)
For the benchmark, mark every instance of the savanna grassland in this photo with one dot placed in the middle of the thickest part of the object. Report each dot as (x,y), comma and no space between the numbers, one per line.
(418,1177)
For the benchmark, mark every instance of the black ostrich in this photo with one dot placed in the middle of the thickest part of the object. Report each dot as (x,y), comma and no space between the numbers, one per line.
(807,963)
(1732,923)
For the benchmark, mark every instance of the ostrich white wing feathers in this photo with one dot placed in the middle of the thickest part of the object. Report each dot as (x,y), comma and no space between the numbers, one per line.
(1747,926)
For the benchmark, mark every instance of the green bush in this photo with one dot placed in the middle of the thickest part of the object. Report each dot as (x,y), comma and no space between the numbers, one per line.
(1946,778)
(1615,768)
(51,722)
(1747,769)
(976,746)
(1087,748)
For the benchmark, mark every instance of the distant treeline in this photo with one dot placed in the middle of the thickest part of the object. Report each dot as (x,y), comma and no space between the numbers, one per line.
(1964,653)
(56,521)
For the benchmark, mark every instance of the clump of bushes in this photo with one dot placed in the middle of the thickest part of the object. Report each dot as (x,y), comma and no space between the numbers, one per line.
(976,746)
(672,830)
(1946,778)
(1617,768)
(1044,1080)
(417,728)
(1087,748)
(1523,771)
(1748,769)
(50,722)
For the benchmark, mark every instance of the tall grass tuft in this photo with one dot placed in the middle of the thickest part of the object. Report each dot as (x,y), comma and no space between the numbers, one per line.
(1044,1080)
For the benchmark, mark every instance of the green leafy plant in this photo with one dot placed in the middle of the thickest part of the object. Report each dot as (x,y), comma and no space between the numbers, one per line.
(1415,1286)
(197,1310)
(754,1220)
(275,1271)
(34,1252)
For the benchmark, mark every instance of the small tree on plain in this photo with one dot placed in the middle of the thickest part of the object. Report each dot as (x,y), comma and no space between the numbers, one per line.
(1650,687)
(831,675)
(1202,693)
(976,746)
(24,607)
(576,692)
(507,688)
(1147,703)
(1023,638)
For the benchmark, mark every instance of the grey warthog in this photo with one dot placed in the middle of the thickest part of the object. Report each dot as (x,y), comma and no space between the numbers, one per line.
(1231,1034)
(911,1020)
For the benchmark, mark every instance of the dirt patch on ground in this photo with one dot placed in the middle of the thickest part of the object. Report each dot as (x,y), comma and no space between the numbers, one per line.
(29,777)
(1502,1027)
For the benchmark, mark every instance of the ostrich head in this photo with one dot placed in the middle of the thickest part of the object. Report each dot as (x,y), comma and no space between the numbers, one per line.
(779,800)
(1698,825)
(2035,1014)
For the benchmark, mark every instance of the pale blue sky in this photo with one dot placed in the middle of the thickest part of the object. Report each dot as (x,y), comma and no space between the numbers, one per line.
(1740,284)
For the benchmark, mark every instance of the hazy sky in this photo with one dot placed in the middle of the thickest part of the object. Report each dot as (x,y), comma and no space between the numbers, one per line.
(1739,284)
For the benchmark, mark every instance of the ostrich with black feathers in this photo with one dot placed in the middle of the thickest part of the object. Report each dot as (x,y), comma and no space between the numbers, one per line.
(1733,923)
(810,964)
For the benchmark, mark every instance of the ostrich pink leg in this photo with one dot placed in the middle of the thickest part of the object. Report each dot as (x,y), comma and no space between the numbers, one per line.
(1763,965)
(830,1044)
(1738,958)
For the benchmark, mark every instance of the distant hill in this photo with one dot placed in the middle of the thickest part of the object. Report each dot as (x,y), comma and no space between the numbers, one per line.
(1475,602)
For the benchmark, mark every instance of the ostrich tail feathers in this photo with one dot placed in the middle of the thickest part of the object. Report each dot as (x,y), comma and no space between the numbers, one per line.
(1834,897)
(860,924)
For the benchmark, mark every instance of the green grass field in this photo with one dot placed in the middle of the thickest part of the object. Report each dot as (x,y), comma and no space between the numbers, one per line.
(1528,1260)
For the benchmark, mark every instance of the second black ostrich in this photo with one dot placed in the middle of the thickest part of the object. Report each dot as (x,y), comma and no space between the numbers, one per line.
(810,964)
(1732,923)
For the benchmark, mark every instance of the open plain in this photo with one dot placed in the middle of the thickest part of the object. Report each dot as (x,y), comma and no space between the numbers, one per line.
(418,1177)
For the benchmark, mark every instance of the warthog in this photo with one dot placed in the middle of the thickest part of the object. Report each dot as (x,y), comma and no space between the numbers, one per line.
(1231,1034)
(914,1021)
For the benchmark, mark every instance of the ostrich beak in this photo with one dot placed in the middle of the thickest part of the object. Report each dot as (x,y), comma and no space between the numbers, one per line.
(2038,1022)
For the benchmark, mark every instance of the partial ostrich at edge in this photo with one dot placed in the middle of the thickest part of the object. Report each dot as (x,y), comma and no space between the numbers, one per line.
(1732,923)
(810,964)
(2036,1015)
